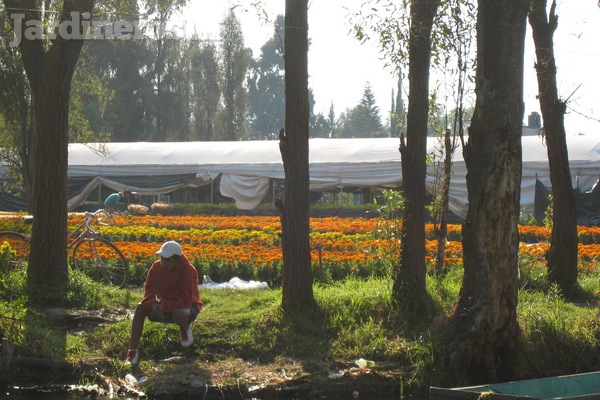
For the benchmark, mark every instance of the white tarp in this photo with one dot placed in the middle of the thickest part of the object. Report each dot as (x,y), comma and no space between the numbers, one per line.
(233,283)
(246,167)
(584,163)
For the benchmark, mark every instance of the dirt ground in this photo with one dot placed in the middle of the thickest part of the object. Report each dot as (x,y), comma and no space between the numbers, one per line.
(187,377)
(283,378)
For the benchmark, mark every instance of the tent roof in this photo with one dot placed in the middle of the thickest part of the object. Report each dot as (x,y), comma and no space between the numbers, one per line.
(246,166)
(358,162)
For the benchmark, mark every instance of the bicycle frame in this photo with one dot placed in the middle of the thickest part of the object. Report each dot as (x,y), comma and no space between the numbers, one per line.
(74,237)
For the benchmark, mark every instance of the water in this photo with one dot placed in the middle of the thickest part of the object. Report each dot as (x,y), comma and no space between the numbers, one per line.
(30,395)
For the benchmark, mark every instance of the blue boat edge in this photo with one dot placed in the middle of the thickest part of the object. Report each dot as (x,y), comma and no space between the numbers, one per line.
(582,386)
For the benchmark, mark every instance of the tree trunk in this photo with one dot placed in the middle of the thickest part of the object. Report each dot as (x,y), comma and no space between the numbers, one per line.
(409,280)
(297,274)
(484,327)
(441,231)
(49,71)
(562,257)
(26,118)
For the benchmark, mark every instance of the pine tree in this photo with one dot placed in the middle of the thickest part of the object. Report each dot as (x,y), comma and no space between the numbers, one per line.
(366,120)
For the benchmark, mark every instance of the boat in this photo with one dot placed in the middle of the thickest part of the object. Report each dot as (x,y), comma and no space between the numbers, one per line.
(571,387)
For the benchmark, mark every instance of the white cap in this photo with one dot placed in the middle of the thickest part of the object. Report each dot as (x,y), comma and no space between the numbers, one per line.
(169,249)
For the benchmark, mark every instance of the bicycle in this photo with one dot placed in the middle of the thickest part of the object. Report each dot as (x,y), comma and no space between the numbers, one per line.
(92,254)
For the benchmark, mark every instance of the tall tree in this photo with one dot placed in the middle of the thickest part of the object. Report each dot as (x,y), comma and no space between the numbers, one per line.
(389,19)
(205,86)
(175,96)
(235,59)
(49,67)
(267,88)
(562,256)
(397,113)
(332,122)
(461,22)
(297,292)
(410,277)
(162,10)
(120,64)
(484,327)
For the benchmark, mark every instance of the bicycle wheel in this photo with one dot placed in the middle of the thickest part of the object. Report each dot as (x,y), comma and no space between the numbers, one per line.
(102,261)
(20,244)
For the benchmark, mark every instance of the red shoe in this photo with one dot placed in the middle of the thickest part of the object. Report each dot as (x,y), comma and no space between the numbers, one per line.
(132,357)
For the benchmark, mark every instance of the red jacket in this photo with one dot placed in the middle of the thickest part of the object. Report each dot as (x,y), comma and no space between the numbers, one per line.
(176,289)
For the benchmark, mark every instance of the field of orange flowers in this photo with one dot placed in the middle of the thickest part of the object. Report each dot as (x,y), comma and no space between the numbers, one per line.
(250,247)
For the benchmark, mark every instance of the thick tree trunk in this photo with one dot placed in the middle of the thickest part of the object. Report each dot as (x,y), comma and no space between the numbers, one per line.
(297,274)
(49,72)
(484,327)
(409,279)
(562,257)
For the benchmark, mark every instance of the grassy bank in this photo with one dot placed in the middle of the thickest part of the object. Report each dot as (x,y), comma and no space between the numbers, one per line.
(244,341)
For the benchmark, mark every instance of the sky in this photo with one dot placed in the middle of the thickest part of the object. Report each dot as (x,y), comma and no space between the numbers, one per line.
(339,66)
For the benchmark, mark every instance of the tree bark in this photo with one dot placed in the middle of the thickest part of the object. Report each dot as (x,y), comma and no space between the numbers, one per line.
(49,69)
(484,327)
(441,230)
(409,279)
(562,256)
(297,293)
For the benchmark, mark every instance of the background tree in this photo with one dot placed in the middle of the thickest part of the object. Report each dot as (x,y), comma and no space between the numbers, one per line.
(161,10)
(49,67)
(235,59)
(205,87)
(484,328)
(267,88)
(332,122)
(398,112)
(366,120)
(562,256)
(15,117)
(121,65)
(175,96)
(297,293)
(319,126)
(90,97)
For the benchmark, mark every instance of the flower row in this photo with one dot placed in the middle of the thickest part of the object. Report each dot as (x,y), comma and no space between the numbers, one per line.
(225,246)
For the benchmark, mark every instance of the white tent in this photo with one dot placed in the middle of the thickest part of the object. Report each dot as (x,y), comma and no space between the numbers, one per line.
(246,167)
(584,163)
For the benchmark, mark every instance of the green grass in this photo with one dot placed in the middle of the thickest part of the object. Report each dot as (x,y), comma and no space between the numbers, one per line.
(355,318)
